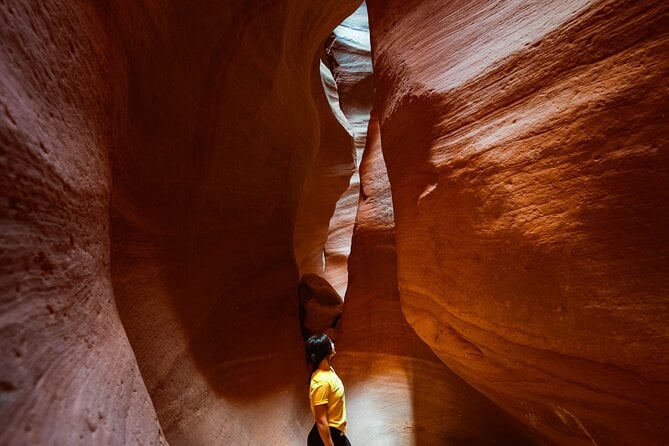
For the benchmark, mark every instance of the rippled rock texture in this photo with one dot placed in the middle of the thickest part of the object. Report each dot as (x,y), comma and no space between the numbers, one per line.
(230,135)
(527,155)
(398,391)
(199,123)
(68,374)
(171,170)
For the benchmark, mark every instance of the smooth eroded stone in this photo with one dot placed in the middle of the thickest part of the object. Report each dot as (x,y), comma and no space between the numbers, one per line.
(68,375)
(348,56)
(397,391)
(327,180)
(169,144)
(526,153)
(223,123)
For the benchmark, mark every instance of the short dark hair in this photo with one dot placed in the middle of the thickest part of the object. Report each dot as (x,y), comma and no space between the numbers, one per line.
(317,348)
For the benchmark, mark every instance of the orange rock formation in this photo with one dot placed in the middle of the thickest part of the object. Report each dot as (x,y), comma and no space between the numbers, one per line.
(170,170)
(527,156)
(200,123)
(398,390)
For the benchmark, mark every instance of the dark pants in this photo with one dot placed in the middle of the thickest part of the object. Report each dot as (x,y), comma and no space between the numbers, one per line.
(338,437)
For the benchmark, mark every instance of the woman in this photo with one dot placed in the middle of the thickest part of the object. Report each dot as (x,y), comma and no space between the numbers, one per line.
(326,395)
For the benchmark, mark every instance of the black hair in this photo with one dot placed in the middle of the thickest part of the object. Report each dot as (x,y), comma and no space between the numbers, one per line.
(317,348)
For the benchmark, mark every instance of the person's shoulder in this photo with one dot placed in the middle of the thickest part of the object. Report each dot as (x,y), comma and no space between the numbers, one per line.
(318,382)
(320,373)
(321,376)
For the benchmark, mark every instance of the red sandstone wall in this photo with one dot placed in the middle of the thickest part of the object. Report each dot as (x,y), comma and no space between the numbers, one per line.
(68,374)
(398,391)
(526,151)
(527,161)
(203,260)
(199,123)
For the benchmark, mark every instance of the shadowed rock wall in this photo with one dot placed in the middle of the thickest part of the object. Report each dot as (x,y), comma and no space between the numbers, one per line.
(67,374)
(202,248)
(527,156)
(200,124)
(161,149)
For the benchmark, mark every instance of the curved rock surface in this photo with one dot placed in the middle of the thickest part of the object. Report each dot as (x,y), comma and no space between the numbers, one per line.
(527,157)
(327,180)
(398,392)
(169,171)
(203,248)
(348,55)
(201,123)
(68,373)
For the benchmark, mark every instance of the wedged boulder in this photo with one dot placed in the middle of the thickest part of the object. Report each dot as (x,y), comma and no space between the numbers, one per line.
(320,305)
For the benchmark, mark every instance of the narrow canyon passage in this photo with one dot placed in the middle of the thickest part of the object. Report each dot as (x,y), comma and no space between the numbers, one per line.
(480,221)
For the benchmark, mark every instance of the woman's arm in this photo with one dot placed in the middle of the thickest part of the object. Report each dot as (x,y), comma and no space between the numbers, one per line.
(321,415)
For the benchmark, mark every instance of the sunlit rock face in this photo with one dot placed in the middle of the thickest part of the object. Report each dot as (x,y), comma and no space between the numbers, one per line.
(327,180)
(527,158)
(68,374)
(398,391)
(348,55)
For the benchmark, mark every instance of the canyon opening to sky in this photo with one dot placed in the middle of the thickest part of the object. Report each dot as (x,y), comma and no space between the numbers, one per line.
(188,189)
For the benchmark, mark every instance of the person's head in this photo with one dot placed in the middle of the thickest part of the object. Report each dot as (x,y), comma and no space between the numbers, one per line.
(318,348)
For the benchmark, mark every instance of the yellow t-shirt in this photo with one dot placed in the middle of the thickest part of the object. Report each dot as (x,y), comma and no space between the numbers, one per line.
(327,388)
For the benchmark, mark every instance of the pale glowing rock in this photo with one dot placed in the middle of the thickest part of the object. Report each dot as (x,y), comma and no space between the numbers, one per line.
(348,54)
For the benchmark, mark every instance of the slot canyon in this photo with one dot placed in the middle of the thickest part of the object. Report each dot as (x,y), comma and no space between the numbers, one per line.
(470,197)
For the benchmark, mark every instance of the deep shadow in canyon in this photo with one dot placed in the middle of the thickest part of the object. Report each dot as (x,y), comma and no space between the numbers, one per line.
(170,171)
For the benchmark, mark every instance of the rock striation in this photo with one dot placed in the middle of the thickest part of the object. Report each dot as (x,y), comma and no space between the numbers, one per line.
(398,391)
(171,171)
(200,124)
(527,159)
(68,374)
(203,248)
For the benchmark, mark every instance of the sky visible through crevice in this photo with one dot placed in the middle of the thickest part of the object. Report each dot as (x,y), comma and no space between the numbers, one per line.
(347,78)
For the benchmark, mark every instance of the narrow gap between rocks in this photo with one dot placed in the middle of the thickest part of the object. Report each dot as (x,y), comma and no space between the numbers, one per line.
(347,77)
